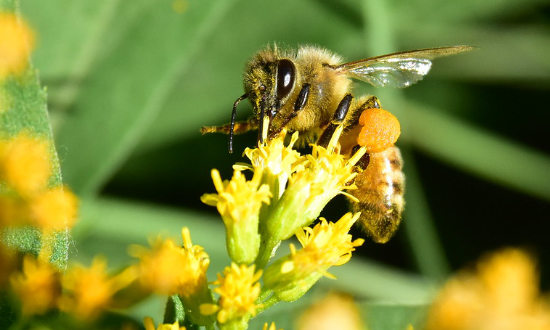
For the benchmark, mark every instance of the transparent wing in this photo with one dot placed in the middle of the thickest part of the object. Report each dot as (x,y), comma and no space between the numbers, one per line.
(398,69)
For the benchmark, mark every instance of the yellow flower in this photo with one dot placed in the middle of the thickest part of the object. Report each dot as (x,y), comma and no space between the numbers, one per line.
(25,164)
(275,160)
(239,202)
(238,289)
(55,209)
(326,174)
(16,43)
(335,311)
(502,294)
(89,290)
(169,269)
(318,178)
(37,286)
(326,244)
(149,325)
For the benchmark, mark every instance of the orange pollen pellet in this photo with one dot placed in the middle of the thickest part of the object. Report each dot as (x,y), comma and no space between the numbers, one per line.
(380,130)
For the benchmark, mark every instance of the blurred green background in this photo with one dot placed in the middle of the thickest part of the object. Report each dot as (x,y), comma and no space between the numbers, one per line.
(131,82)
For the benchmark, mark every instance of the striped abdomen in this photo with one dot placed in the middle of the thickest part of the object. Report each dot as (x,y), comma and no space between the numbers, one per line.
(380,189)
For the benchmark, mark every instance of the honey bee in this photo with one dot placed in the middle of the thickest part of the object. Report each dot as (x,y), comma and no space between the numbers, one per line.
(309,91)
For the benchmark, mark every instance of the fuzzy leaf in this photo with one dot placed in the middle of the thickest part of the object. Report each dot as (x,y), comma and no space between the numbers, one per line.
(24,110)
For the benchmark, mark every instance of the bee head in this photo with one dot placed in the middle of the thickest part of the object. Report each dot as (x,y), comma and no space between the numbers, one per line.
(269,81)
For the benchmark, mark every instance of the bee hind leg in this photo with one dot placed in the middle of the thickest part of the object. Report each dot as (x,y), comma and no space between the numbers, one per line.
(371,102)
(348,140)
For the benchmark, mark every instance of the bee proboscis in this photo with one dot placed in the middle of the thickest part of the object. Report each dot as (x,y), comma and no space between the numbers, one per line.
(309,91)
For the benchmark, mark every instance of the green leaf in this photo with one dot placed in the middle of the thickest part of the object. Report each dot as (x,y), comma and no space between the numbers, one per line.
(24,111)
(392,316)
(68,43)
(129,87)
(451,12)
(375,315)
(419,225)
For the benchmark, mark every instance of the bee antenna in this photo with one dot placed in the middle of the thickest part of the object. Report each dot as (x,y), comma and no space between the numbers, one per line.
(233,115)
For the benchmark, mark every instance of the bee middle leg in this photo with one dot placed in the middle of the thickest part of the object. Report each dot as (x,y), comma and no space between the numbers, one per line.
(337,119)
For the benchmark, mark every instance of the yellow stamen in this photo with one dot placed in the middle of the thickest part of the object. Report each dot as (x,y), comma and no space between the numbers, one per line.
(333,143)
(357,156)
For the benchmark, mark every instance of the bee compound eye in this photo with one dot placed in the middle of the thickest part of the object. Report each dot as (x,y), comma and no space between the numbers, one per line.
(285,78)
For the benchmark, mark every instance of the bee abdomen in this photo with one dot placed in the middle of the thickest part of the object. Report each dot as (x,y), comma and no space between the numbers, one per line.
(380,189)
(379,221)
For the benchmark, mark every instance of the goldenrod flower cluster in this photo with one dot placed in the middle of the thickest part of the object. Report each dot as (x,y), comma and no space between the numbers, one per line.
(284,195)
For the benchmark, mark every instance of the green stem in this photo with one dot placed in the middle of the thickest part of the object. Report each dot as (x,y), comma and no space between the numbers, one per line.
(266,250)
(268,303)
(264,295)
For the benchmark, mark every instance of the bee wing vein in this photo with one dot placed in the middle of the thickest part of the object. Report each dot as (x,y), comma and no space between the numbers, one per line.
(400,69)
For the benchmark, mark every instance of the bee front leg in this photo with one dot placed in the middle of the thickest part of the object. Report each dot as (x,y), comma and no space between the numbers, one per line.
(299,104)
(337,119)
